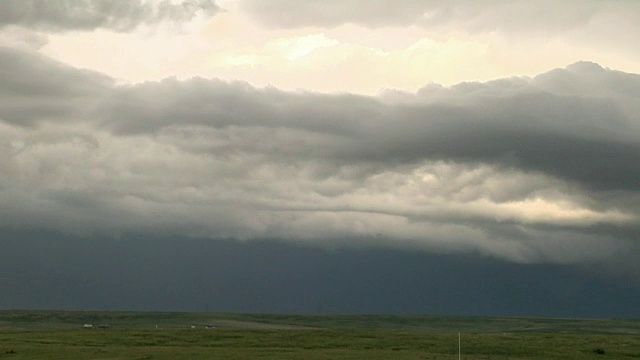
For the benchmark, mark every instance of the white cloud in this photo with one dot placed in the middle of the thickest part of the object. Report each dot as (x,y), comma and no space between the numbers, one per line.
(545,16)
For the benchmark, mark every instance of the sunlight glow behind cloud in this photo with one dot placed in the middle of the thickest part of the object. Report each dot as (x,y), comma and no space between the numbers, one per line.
(349,57)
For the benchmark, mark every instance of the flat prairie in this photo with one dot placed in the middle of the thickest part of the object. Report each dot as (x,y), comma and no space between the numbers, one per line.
(155,335)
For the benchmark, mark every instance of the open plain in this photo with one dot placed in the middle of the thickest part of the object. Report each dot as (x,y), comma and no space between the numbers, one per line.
(142,335)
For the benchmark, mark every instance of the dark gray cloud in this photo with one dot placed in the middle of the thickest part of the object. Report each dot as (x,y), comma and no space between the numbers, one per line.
(35,88)
(578,123)
(62,15)
(536,169)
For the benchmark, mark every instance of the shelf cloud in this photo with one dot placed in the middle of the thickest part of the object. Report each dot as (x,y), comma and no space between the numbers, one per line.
(540,169)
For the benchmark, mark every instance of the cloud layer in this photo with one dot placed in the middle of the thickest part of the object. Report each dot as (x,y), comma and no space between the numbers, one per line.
(484,15)
(62,15)
(539,169)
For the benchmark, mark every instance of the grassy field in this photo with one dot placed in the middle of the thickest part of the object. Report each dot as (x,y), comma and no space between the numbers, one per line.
(59,335)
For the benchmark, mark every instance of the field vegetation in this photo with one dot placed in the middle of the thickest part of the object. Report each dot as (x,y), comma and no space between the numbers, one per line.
(130,335)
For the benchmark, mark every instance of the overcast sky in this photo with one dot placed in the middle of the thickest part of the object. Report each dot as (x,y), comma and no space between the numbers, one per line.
(508,130)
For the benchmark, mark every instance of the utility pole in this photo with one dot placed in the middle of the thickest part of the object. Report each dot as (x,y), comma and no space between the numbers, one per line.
(459,348)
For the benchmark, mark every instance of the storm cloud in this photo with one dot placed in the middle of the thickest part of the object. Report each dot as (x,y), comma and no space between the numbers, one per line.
(63,15)
(56,271)
(540,169)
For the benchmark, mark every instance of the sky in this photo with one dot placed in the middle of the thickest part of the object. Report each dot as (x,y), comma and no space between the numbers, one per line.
(424,147)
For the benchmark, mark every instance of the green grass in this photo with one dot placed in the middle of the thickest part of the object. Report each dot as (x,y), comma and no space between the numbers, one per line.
(16,319)
(305,344)
(59,335)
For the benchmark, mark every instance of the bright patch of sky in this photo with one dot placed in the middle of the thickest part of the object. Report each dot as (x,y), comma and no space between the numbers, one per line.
(348,57)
